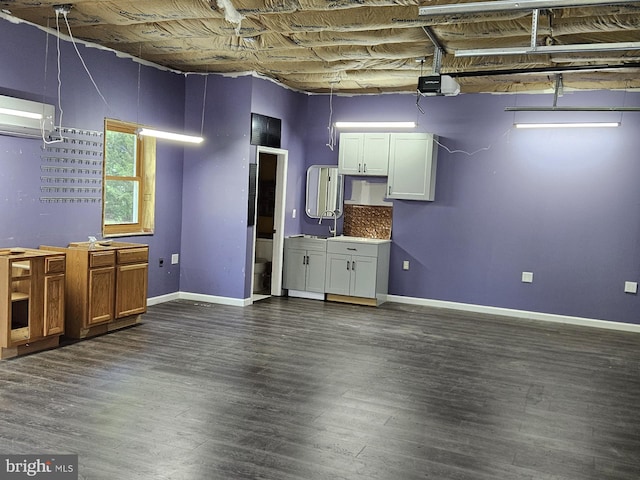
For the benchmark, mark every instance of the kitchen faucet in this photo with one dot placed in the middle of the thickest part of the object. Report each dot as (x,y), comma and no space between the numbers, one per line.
(335,221)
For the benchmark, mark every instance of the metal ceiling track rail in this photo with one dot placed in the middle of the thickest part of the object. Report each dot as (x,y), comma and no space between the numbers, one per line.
(559,88)
(509,5)
(534,5)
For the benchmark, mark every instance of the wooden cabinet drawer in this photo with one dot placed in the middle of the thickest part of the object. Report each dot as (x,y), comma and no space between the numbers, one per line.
(54,264)
(101,259)
(133,255)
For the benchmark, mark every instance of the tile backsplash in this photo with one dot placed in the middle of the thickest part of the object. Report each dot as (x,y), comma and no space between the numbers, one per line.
(367,221)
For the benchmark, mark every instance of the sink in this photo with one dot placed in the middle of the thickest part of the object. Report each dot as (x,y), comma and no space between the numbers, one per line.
(344,238)
(318,237)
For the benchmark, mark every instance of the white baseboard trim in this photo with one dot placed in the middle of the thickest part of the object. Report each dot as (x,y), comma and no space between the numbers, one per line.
(163,298)
(199,297)
(524,314)
(304,294)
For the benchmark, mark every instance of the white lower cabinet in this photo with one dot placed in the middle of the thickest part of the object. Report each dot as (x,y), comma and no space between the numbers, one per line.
(357,269)
(304,264)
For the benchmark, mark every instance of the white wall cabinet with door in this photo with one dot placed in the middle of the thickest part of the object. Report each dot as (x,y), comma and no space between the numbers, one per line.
(364,154)
(304,266)
(413,159)
(357,271)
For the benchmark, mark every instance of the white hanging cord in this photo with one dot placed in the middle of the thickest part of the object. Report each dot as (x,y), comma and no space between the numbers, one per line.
(44,139)
(330,127)
(204,101)
(64,13)
(471,154)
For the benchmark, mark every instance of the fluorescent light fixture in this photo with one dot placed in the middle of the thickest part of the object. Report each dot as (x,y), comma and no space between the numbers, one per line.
(20,113)
(375,124)
(505,5)
(568,125)
(550,49)
(178,137)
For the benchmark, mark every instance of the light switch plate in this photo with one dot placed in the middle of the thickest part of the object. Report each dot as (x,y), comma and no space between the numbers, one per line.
(527,277)
(630,287)
(405,265)
(175,258)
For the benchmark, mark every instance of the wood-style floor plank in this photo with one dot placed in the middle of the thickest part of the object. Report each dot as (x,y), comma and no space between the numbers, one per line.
(294,389)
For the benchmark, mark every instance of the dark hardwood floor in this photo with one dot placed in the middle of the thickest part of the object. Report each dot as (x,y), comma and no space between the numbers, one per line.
(302,389)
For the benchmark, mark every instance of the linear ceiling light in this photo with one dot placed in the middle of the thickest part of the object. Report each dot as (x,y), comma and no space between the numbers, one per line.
(178,137)
(20,113)
(528,50)
(571,109)
(568,125)
(507,5)
(375,124)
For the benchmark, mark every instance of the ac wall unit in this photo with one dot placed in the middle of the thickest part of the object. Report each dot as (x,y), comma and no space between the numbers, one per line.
(24,118)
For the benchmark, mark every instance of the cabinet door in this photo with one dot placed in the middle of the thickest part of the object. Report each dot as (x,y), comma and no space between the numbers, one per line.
(131,290)
(350,153)
(338,274)
(412,166)
(101,292)
(294,269)
(375,156)
(54,304)
(316,262)
(363,276)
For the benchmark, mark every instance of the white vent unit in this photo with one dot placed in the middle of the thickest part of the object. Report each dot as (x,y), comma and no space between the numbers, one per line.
(24,118)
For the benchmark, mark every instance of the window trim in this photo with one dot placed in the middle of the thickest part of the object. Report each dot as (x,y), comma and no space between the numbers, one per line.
(145,167)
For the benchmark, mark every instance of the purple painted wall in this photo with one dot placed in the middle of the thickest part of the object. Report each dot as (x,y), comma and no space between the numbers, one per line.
(562,204)
(155,97)
(217,244)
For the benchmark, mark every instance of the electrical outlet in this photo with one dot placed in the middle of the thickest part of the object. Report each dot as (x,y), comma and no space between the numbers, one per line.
(175,258)
(630,287)
(405,265)
(527,277)
(161,262)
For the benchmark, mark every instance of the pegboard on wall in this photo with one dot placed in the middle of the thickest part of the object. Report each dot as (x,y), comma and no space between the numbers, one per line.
(71,169)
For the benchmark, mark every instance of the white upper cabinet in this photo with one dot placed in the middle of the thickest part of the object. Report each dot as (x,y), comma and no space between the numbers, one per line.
(364,154)
(413,160)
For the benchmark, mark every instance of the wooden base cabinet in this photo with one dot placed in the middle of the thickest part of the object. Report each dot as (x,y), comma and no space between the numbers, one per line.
(32,301)
(106,286)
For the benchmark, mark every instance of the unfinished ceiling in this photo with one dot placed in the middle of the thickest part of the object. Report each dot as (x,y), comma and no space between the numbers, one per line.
(359,46)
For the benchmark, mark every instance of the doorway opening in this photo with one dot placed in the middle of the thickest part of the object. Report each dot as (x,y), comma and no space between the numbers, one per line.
(268,242)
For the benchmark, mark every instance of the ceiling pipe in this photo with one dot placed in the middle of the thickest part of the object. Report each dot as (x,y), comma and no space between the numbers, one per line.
(509,5)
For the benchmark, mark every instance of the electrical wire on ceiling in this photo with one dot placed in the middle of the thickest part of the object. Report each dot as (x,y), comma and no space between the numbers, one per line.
(420,109)
(331,128)
(204,101)
(65,11)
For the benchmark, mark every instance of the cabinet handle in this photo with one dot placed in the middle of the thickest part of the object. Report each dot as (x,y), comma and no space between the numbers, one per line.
(347,264)
(353,266)
(307,259)
(359,167)
(364,167)
(389,189)
(352,249)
